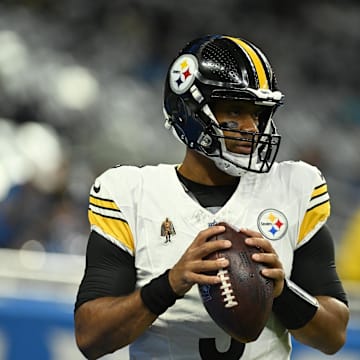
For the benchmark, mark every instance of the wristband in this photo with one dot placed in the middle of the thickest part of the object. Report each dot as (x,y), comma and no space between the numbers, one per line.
(158,295)
(294,307)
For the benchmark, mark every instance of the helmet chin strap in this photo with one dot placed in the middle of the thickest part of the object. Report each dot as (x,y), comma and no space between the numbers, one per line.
(229,168)
(236,164)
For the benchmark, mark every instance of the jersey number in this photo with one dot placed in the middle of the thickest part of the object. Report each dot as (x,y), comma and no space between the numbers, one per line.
(208,351)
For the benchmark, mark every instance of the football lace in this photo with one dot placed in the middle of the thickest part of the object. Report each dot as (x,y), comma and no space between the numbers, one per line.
(229,298)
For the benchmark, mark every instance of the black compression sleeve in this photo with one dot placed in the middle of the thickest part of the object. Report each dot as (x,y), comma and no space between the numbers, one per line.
(314,267)
(109,271)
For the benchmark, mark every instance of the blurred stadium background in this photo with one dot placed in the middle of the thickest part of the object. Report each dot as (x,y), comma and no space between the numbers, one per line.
(81,90)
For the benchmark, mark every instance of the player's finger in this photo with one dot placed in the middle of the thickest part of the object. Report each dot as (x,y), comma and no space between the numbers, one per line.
(207,266)
(260,242)
(271,260)
(273,273)
(278,276)
(250,233)
(206,279)
(207,233)
(209,247)
(194,272)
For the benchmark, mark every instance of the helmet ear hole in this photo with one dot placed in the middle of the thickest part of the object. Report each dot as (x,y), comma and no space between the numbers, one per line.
(184,121)
(177,110)
(182,111)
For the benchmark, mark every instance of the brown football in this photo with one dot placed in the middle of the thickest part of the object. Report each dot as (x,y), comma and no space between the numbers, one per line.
(242,302)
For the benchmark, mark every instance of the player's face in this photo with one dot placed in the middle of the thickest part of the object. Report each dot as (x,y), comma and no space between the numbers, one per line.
(238,116)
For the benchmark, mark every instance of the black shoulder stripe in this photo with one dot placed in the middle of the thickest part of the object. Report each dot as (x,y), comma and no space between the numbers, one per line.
(108,216)
(319,204)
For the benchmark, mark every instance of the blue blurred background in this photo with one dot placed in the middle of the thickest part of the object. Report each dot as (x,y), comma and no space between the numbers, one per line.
(81,90)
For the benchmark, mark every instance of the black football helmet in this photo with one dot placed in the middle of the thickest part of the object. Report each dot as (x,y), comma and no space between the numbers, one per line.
(218,67)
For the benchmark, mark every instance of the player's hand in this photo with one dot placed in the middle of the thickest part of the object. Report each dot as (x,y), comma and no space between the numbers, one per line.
(191,267)
(269,258)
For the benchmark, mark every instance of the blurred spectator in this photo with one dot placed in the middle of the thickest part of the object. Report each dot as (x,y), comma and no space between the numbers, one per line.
(37,205)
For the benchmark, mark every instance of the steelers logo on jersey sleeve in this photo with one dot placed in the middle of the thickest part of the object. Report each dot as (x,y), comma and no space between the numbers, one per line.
(272,224)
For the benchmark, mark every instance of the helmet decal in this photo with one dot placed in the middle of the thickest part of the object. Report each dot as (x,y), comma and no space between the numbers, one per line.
(182,73)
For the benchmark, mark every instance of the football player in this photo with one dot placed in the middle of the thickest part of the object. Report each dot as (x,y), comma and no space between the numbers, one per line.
(149,225)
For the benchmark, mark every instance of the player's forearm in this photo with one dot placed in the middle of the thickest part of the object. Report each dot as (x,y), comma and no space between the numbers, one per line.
(107,324)
(327,330)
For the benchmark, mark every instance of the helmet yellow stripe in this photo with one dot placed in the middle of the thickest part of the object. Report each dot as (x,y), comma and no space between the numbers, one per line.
(263,82)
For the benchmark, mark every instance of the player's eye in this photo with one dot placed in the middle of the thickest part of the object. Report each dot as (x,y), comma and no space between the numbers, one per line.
(229,125)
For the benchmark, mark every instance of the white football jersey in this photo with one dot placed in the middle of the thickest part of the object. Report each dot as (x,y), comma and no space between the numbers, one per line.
(146,212)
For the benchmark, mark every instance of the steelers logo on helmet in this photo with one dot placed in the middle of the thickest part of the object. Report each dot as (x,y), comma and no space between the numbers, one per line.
(182,73)
(272,224)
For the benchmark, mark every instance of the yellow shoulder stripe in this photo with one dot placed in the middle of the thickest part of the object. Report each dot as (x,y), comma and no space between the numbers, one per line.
(322,189)
(115,227)
(103,203)
(312,217)
(263,82)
